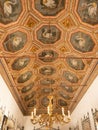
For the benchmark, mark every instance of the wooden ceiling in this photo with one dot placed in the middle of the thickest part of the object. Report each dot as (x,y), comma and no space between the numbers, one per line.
(48,46)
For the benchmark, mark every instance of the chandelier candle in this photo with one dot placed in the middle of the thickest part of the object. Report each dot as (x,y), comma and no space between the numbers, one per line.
(48,111)
(34,111)
(63,111)
(69,114)
(32,115)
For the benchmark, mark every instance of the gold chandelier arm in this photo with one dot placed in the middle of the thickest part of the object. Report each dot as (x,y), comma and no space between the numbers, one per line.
(49,118)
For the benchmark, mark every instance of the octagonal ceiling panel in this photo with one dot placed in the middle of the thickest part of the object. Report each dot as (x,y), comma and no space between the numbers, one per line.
(24,77)
(47,81)
(10,10)
(67,88)
(75,63)
(62,103)
(15,41)
(49,8)
(88,11)
(71,77)
(46,49)
(31,103)
(27,88)
(47,70)
(20,63)
(29,96)
(48,55)
(64,96)
(45,101)
(82,42)
(48,34)
(47,90)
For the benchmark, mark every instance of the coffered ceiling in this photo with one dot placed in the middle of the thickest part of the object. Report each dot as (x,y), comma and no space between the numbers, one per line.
(48,46)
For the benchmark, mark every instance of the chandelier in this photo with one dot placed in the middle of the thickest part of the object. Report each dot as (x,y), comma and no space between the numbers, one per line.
(50,118)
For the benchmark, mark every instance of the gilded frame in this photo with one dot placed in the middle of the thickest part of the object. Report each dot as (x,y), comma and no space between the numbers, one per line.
(70,128)
(86,123)
(1,117)
(77,127)
(95,117)
(4,123)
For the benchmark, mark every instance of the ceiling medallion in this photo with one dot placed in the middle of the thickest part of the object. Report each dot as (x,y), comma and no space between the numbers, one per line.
(62,103)
(29,96)
(71,77)
(88,11)
(49,8)
(75,63)
(64,96)
(48,34)
(82,42)
(15,41)
(47,70)
(31,103)
(27,88)
(68,89)
(20,63)
(48,55)
(47,81)
(47,90)
(10,10)
(24,77)
(45,101)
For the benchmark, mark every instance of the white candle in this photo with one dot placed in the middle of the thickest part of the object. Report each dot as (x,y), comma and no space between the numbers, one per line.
(34,111)
(32,115)
(68,113)
(48,110)
(63,111)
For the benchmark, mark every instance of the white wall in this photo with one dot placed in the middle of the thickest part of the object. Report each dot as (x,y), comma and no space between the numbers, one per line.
(89,101)
(7,101)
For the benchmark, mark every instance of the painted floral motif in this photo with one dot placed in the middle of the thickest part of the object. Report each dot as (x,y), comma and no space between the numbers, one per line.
(88,11)
(27,88)
(20,63)
(30,96)
(15,41)
(47,81)
(62,102)
(45,101)
(75,63)
(32,103)
(48,34)
(82,42)
(49,7)
(47,70)
(48,56)
(71,77)
(9,10)
(24,77)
